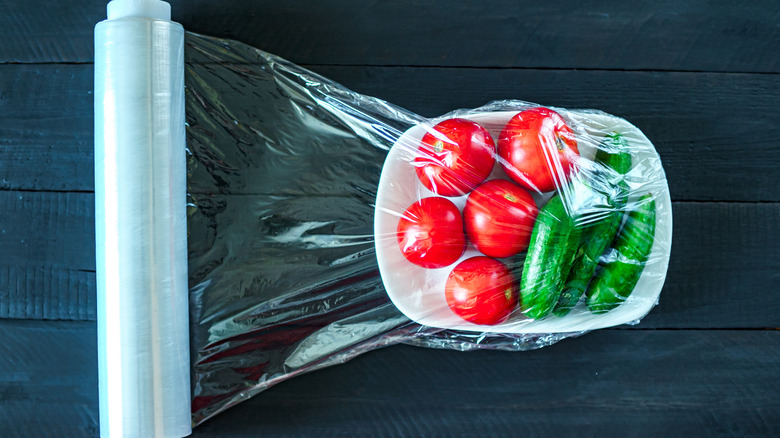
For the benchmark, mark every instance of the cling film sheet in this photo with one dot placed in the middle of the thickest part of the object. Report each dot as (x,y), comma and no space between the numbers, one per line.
(323,223)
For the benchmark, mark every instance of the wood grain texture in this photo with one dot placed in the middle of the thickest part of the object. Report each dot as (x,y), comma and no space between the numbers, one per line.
(722,273)
(45,292)
(696,121)
(48,379)
(607,383)
(51,227)
(711,282)
(46,127)
(47,263)
(696,35)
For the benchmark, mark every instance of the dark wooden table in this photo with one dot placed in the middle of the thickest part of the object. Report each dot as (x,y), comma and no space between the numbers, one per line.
(700,78)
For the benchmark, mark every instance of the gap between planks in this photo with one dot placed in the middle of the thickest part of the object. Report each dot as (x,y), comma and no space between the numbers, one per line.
(443,66)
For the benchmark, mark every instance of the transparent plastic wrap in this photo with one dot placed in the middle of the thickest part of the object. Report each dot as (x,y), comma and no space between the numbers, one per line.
(532,224)
(140,224)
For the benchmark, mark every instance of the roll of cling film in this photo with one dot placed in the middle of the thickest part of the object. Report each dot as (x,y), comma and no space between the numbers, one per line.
(140,200)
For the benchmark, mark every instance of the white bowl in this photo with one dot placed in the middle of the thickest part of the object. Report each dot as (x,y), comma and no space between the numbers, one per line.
(419,292)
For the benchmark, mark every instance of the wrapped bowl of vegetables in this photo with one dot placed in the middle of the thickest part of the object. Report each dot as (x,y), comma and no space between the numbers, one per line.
(518,218)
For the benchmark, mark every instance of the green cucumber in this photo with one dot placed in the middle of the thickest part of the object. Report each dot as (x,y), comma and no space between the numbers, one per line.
(616,277)
(601,230)
(553,244)
(596,239)
(615,155)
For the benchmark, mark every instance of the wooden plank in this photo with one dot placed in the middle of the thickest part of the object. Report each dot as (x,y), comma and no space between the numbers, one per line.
(722,274)
(696,121)
(51,227)
(48,379)
(46,127)
(40,31)
(607,383)
(694,35)
(41,291)
(47,262)
(710,282)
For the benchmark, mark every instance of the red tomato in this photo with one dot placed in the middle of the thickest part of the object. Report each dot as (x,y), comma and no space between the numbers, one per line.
(499,218)
(537,149)
(430,233)
(482,290)
(456,156)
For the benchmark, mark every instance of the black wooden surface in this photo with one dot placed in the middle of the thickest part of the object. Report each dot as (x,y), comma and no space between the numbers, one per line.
(700,78)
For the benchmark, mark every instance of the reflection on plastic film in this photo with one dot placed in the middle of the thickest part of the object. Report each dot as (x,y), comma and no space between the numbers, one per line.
(296,189)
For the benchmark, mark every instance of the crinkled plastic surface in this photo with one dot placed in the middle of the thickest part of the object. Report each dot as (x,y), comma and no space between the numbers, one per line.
(294,199)
(141,252)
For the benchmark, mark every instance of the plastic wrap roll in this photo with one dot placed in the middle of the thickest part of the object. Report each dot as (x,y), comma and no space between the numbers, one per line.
(140,194)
